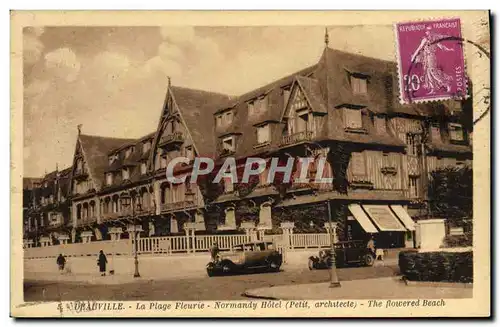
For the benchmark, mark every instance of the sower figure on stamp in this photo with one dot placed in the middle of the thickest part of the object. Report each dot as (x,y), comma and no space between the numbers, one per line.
(214,251)
(434,77)
(61,261)
(101,262)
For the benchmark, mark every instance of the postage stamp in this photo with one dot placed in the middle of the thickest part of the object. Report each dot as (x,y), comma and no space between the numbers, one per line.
(430,60)
(183,164)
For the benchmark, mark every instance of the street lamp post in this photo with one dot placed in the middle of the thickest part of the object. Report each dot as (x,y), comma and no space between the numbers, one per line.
(126,201)
(334,280)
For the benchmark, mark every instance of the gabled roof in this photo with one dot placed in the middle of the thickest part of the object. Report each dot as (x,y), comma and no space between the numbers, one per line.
(96,150)
(312,91)
(197,108)
(244,125)
(30,183)
(383,89)
(65,181)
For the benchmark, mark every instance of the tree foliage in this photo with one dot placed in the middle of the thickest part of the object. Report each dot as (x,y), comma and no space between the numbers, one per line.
(450,194)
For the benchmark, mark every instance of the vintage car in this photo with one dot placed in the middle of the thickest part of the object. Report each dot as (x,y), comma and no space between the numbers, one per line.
(246,257)
(346,253)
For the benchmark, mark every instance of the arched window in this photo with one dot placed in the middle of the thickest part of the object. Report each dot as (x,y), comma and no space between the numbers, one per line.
(79,211)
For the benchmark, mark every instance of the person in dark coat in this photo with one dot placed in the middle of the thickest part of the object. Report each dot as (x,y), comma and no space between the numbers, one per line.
(61,261)
(214,251)
(101,262)
(371,245)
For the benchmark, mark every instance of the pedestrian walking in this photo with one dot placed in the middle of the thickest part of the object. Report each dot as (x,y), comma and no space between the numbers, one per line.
(61,261)
(101,262)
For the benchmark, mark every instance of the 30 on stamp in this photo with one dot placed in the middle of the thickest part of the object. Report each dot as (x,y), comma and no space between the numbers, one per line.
(430,60)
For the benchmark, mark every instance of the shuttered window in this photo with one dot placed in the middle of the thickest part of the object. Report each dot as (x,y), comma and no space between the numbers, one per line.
(263,134)
(456,132)
(358,164)
(358,85)
(352,119)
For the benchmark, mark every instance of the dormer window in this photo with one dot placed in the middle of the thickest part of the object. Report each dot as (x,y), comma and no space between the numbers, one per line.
(224,119)
(456,132)
(251,109)
(189,153)
(352,119)
(228,118)
(257,106)
(263,134)
(146,146)
(358,84)
(112,158)
(144,168)
(129,152)
(109,179)
(125,174)
(228,144)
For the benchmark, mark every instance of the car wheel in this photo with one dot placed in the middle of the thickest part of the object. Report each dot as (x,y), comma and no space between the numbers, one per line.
(310,264)
(274,265)
(369,260)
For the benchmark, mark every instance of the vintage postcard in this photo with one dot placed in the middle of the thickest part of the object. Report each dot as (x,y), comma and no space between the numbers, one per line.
(250,164)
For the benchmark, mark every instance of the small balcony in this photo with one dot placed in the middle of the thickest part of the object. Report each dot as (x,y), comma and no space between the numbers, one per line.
(296,138)
(80,174)
(86,221)
(175,138)
(110,215)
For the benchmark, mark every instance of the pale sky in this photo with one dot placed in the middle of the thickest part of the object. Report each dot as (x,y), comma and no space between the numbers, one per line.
(113,80)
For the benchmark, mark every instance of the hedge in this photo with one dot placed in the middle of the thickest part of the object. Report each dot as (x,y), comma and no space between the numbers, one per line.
(458,240)
(436,266)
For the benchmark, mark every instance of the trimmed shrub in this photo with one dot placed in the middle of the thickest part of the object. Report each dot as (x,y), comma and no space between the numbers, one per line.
(436,266)
(458,240)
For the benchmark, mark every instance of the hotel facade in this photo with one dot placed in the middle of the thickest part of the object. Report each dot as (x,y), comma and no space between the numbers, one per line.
(345,109)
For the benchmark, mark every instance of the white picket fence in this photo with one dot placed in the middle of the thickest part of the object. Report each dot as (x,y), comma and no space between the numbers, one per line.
(174,244)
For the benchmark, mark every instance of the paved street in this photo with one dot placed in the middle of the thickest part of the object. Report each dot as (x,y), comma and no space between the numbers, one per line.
(201,288)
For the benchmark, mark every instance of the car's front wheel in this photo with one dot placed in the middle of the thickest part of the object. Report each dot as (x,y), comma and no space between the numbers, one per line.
(274,265)
(369,260)
(310,264)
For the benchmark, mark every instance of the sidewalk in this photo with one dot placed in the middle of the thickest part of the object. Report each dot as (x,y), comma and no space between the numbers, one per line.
(85,270)
(379,288)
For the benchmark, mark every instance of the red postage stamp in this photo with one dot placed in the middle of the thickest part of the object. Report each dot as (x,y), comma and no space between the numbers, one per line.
(430,60)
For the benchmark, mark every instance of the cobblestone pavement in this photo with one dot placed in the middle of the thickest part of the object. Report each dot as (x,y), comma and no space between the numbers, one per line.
(202,288)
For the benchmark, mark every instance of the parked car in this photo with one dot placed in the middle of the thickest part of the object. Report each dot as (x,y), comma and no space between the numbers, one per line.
(246,257)
(346,253)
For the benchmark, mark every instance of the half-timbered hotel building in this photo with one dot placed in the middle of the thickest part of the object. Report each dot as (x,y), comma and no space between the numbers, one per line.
(344,108)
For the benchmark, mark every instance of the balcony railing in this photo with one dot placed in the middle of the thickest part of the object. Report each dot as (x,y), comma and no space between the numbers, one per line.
(80,174)
(110,215)
(169,207)
(86,221)
(296,138)
(172,138)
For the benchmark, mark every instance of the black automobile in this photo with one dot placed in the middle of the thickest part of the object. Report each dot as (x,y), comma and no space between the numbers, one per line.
(346,253)
(246,257)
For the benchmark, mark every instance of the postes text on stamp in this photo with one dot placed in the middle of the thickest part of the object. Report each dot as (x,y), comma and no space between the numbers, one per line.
(430,60)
